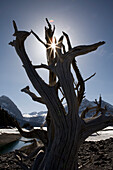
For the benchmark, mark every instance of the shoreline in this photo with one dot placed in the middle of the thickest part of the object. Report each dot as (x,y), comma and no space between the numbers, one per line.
(100,135)
(6,138)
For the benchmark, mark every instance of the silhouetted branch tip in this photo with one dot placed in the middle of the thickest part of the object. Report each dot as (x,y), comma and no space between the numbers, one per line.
(90,77)
(25,89)
(49,25)
(65,34)
(12,43)
(37,37)
(15,28)
(102,42)
(61,39)
(53,29)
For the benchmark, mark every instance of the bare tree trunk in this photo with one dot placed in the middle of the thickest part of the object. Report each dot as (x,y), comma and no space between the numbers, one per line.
(66,131)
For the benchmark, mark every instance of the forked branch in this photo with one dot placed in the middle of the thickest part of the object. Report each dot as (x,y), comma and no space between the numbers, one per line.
(32,95)
(98,108)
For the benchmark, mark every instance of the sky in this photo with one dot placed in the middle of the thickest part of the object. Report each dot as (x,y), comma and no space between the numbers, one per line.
(85,21)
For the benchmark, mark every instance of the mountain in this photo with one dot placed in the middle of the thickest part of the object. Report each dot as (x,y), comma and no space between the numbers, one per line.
(37,119)
(34,118)
(9,106)
(35,114)
(86,103)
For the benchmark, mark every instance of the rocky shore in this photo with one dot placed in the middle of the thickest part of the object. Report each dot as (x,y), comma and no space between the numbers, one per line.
(96,155)
(92,155)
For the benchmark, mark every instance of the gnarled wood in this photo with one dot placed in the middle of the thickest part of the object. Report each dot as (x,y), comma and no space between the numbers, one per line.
(66,131)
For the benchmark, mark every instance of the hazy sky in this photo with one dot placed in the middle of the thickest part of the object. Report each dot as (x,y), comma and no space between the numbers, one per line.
(86,22)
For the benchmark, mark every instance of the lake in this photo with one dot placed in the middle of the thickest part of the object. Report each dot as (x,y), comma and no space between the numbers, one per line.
(102,135)
(13,146)
(17,144)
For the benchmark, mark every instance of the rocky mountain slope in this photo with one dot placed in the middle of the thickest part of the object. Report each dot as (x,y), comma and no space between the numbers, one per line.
(8,105)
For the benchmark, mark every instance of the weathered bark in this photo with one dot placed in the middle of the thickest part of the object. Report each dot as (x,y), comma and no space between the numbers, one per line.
(66,131)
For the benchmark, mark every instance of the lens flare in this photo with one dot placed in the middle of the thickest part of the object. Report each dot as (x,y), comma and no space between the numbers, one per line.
(51,20)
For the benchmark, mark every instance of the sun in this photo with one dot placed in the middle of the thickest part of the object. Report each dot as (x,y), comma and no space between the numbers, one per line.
(53,45)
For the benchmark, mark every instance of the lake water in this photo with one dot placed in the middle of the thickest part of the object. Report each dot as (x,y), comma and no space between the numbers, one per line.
(17,144)
(102,135)
(14,145)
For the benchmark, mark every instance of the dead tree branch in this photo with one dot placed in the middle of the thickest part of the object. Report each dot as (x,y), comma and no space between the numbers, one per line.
(37,37)
(32,95)
(66,131)
(90,77)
